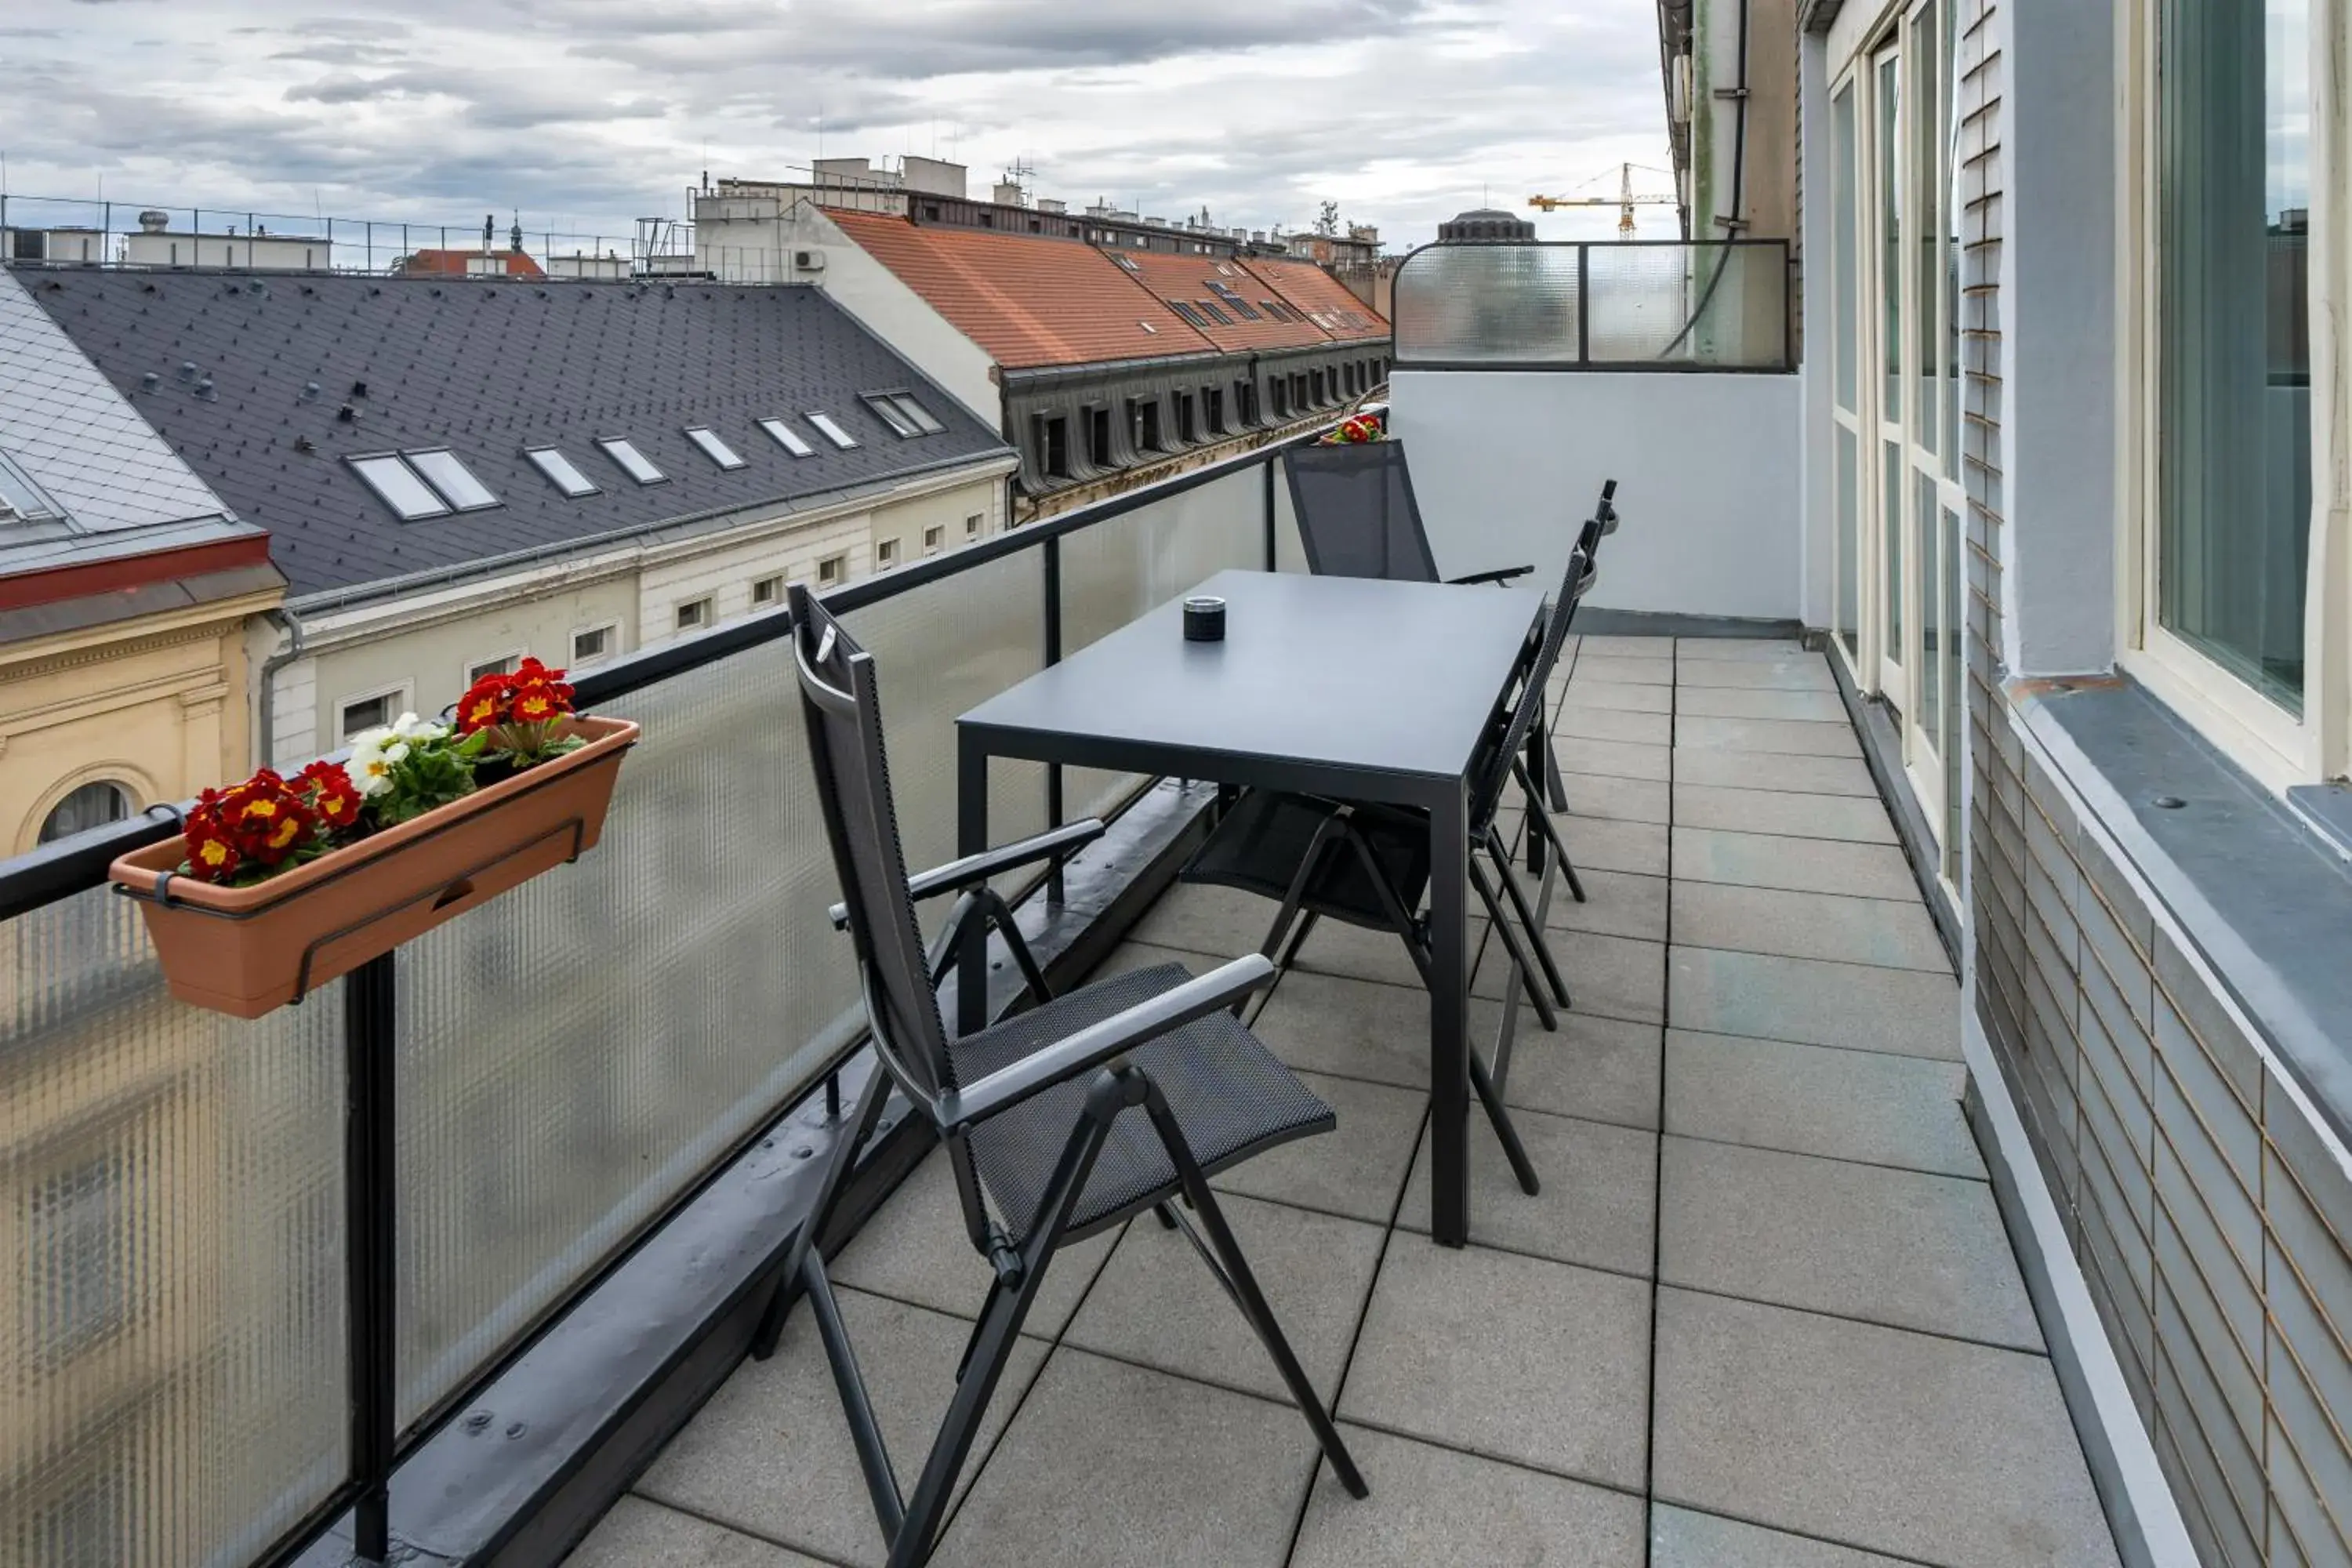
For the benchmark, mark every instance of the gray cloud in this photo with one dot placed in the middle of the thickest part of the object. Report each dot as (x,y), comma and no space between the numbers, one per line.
(593,113)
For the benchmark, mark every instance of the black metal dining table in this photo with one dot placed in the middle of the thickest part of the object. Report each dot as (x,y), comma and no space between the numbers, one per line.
(1347,687)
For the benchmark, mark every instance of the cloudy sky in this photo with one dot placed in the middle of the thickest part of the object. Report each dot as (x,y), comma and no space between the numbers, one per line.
(583,115)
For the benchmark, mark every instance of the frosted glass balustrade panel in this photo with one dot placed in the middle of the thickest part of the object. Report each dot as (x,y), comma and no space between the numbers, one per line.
(170,1225)
(941,650)
(574,1054)
(1118,570)
(1487,304)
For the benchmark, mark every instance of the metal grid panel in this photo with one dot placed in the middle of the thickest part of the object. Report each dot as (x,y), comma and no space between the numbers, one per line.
(171,1222)
(575,1054)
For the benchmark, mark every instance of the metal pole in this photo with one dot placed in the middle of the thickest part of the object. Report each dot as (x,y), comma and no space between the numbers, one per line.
(1583,305)
(1056,885)
(1269,514)
(369,1178)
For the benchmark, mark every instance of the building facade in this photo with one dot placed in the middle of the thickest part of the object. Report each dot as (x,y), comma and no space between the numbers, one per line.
(127,591)
(2075,456)
(461,474)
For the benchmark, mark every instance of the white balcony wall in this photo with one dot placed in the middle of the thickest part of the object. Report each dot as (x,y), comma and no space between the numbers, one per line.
(1505,463)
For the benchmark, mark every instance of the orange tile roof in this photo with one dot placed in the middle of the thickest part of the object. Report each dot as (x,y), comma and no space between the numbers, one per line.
(1322,298)
(457,263)
(1195,280)
(1028,300)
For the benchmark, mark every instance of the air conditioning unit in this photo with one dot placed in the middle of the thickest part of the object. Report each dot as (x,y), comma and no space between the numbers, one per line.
(808,260)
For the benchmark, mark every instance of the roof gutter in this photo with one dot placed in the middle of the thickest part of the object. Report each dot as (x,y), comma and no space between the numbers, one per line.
(266,721)
(438,576)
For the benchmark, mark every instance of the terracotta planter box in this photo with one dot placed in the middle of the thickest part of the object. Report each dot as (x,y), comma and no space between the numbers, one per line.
(248,951)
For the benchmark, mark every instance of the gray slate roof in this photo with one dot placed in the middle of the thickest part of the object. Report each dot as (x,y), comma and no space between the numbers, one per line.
(488,369)
(102,482)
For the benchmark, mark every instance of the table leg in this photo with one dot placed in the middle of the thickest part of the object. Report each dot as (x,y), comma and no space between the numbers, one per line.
(1449,1020)
(972,838)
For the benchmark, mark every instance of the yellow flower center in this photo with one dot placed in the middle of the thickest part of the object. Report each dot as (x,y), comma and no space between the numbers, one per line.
(212,852)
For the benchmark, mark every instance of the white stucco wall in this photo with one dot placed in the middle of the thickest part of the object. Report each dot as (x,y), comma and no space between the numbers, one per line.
(1505,463)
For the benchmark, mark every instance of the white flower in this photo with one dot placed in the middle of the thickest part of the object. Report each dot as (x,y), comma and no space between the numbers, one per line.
(374,753)
(409,727)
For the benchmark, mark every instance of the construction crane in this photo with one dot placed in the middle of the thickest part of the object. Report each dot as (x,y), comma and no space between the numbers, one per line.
(1624,201)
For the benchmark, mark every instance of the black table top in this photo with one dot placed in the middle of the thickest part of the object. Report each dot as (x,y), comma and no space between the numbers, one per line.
(1396,679)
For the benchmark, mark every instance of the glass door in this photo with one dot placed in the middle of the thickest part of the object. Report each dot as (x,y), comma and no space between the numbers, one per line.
(1848,430)
(1891,182)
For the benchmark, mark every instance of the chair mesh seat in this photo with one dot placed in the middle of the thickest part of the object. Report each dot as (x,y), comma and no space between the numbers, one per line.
(1230,1095)
(1264,836)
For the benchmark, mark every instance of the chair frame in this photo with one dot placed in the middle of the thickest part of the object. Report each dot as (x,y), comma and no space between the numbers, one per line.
(1391,452)
(837,681)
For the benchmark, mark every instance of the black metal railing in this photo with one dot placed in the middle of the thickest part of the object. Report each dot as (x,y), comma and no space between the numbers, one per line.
(1655,305)
(1174,527)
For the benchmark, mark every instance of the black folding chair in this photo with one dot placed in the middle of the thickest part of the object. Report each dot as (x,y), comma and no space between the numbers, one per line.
(1061,1121)
(1369,865)
(1356,516)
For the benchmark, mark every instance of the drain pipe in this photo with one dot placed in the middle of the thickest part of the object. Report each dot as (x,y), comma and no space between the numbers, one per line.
(1734,223)
(266,723)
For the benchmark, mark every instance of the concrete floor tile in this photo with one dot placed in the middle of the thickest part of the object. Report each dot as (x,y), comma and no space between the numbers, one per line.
(1680,1538)
(1895,935)
(1614,759)
(1623,669)
(636,1533)
(916,1249)
(1201,917)
(1737,703)
(1898,1247)
(1580,721)
(1112,1466)
(1617,903)
(1432,1506)
(1157,1303)
(1788,815)
(1624,800)
(1892,1441)
(1626,647)
(1802,739)
(1768,650)
(1609,976)
(1798,672)
(1905,1012)
(1364,953)
(1845,1105)
(770,1452)
(1619,696)
(1598,1206)
(1356,1170)
(1361,1029)
(1798,864)
(1601,843)
(1601,1069)
(1516,1357)
(1726,768)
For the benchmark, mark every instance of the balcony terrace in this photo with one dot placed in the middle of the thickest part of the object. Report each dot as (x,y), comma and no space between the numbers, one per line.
(1767,1312)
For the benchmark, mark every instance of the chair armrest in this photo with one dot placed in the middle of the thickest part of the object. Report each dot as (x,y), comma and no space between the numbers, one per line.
(1098,1043)
(973,869)
(1504,576)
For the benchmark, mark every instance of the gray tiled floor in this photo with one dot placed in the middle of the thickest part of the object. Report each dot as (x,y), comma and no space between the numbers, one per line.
(1763,1313)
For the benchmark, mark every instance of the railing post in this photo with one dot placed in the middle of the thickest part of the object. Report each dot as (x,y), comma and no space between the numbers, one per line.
(370,1175)
(1583,304)
(1270,462)
(1056,886)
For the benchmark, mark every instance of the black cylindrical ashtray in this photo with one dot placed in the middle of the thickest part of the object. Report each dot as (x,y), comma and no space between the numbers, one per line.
(1204,618)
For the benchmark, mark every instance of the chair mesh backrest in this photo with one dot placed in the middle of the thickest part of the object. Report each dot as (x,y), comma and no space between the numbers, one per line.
(1573,585)
(839,693)
(1356,513)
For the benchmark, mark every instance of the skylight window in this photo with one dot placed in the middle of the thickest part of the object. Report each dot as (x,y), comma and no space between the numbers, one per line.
(561,471)
(1208,309)
(1184,309)
(918,413)
(832,432)
(396,485)
(890,415)
(455,482)
(633,463)
(788,438)
(714,447)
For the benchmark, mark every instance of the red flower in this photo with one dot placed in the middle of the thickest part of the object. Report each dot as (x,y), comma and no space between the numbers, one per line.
(329,790)
(484,703)
(517,704)
(210,858)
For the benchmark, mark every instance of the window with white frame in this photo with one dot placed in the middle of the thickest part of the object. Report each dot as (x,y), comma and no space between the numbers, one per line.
(886,554)
(935,538)
(768,590)
(505,664)
(592,645)
(2226,434)
(694,615)
(371,712)
(971,526)
(831,569)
